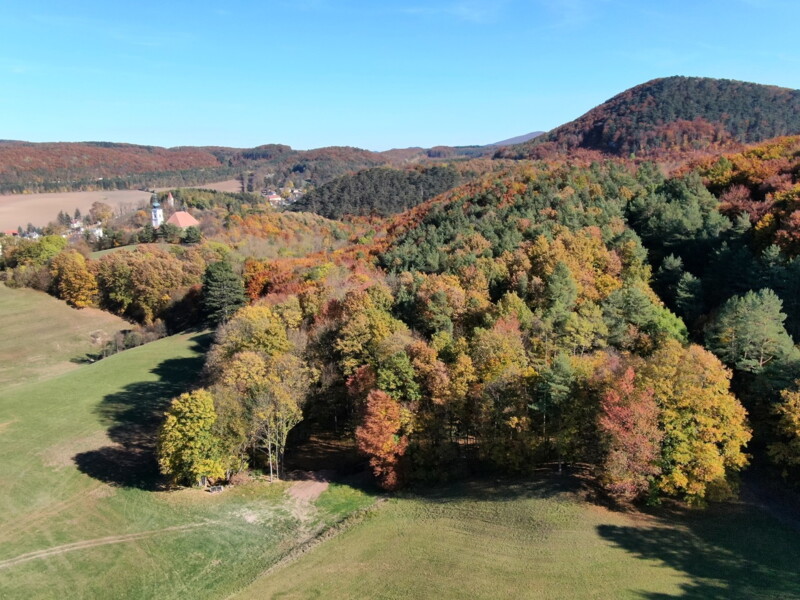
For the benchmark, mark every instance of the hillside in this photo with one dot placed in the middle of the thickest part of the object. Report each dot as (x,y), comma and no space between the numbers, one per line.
(677,114)
(519,139)
(62,339)
(64,166)
(90,499)
(26,166)
(379,191)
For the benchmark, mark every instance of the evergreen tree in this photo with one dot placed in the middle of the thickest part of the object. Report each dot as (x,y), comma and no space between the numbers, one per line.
(748,332)
(147,235)
(689,298)
(667,278)
(192,235)
(223,292)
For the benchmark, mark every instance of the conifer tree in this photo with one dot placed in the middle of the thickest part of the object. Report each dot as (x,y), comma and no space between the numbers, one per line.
(223,292)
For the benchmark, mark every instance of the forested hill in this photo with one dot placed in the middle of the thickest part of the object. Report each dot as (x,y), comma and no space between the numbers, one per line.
(27,167)
(677,114)
(67,166)
(31,167)
(380,191)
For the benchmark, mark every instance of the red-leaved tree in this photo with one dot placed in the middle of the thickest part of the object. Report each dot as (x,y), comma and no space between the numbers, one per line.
(629,420)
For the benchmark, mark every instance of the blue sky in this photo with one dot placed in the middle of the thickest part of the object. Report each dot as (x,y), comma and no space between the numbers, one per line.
(377,74)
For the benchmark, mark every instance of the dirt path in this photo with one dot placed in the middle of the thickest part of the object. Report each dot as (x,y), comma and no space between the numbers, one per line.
(114,539)
(302,495)
(307,491)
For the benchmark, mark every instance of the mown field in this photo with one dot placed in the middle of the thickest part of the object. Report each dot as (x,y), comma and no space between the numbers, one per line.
(41,336)
(81,514)
(541,541)
(39,209)
(230,185)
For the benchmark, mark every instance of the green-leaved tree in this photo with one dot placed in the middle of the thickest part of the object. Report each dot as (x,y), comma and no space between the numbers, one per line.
(223,292)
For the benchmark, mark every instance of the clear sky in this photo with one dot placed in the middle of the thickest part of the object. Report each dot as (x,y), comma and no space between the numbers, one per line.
(375,74)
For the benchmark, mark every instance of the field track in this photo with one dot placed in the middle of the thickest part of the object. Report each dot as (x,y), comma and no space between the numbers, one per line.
(104,541)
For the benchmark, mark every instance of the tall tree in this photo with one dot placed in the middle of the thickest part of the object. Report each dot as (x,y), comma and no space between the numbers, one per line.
(705,426)
(223,292)
(629,421)
(380,437)
(188,450)
(786,450)
(748,332)
(72,279)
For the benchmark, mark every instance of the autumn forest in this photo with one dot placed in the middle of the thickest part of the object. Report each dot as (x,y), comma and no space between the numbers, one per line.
(619,297)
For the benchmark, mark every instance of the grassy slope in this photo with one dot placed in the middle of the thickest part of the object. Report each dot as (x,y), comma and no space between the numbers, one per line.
(101,253)
(71,449)
(39,335)
(535,541)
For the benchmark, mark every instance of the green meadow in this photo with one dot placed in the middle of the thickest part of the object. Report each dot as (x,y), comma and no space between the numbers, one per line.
(490,540)
(81,512)
(41,336)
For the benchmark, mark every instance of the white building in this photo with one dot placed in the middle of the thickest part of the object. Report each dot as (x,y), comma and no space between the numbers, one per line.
(157,216)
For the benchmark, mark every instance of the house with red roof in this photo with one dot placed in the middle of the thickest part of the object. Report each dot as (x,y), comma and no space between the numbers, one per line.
(183,220)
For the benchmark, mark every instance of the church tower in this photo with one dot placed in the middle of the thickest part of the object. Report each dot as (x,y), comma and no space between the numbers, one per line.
(157,215)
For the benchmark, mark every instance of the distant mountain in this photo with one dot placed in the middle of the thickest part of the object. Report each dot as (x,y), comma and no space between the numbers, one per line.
(25,166)
(676,114)
(520,139)
(66,166)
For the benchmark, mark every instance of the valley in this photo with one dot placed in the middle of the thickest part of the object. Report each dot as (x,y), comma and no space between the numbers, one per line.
(564,367)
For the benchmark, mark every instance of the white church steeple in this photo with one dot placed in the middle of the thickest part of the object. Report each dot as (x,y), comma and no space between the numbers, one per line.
(157,215)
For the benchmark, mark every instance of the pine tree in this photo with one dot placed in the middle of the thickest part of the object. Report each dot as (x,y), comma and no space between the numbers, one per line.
(748,332)
(223,292)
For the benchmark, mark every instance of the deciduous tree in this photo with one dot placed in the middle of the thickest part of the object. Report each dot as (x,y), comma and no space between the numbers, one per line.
(629,421)
(381,438)
(72,279)
(188,451)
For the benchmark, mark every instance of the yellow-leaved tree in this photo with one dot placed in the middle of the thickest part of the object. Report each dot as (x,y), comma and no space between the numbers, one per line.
(786,451)
(73,280)
(188,450)
(705,426)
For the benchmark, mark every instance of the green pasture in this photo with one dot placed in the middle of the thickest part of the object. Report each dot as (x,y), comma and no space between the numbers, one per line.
(490,540)
(82,514)
(41,336)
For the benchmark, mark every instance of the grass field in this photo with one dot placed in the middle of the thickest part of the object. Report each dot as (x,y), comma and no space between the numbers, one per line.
(41,336)
(231,185)
(539,541)
(81,515)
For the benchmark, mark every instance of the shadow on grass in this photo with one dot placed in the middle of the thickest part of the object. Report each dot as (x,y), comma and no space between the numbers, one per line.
(732,552)
(544,482)
(133,416)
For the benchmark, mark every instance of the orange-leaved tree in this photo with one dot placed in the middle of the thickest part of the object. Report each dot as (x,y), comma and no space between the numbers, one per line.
(380,437)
